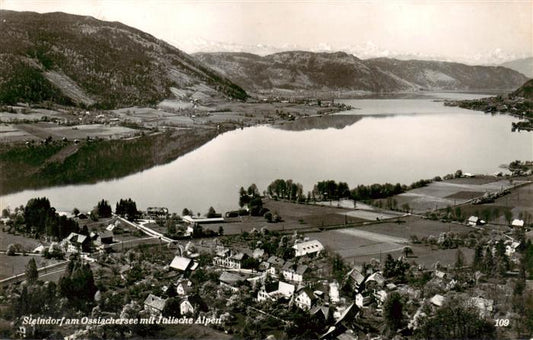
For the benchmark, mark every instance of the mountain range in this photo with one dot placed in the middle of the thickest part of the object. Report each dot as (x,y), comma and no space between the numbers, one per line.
(71,59)
(79,60)
(339,71)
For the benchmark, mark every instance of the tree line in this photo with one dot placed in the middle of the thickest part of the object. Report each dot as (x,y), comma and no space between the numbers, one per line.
(332,190)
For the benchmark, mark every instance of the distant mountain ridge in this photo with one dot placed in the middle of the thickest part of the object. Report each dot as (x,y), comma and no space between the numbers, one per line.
(339,71)
(524,66)
(71,59)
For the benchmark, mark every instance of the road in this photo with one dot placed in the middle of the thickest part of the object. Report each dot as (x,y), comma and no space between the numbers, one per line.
(43,272)
(147,231)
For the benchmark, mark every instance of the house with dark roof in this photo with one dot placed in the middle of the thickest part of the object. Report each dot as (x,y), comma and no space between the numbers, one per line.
(354,279)
(293,272)
(233,261)
(321,311)
(104,238)
(184,287)
(77,242)
(230,280)
(155,212)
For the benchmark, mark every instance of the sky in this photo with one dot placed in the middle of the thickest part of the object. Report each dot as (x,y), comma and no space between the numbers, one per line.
(474,31)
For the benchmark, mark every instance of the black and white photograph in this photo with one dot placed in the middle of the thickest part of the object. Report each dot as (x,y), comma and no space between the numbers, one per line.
(266,169)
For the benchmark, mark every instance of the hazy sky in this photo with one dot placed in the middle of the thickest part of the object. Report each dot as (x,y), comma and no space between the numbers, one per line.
(469,31)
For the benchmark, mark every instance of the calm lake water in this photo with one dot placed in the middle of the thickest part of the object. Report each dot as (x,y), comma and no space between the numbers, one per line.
(380,140)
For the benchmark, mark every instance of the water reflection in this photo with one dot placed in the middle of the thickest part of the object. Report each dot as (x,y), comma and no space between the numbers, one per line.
(319,123)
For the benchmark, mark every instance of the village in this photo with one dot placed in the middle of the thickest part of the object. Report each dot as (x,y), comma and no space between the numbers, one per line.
(330,269)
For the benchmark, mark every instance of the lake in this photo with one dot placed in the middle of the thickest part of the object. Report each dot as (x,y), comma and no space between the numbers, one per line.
(380,140)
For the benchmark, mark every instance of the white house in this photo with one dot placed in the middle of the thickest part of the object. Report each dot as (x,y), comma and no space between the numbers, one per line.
(186,307)
(437,300)
(274,291)
(192,304)
(474,220)
(305,299)
(308,247)
(334,295)
(234,262)
(517,223)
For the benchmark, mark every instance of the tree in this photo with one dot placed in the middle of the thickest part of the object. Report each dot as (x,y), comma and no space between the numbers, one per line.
(211,213)
(76,212)
(477,263)
(407,251)
(31,271)
(103,209)
(127,208)
(171,227)
(253,190)
(77,284)
(172,307)
(186,212)
(459,259)
(486,214)
(256,206)
(508,214)
(489,261)
(268,216)
(221,230)
(395,269)
(455,320)
(197,231)
(11,250)
(36,212)
(393,311)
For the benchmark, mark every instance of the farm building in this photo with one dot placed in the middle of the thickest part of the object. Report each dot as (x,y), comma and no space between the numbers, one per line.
(308,247)
(182,263)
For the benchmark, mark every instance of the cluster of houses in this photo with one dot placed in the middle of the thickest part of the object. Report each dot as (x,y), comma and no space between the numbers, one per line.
(291,283)
(79,243)
(476,221)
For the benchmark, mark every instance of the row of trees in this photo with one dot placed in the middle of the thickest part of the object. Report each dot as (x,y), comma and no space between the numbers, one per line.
(330,189)
(127,208)
(286,189)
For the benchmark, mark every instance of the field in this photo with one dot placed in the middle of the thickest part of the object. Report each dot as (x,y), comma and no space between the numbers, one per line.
(439,195)
(13,265)
(361,244)
(295,216)
(28,244)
